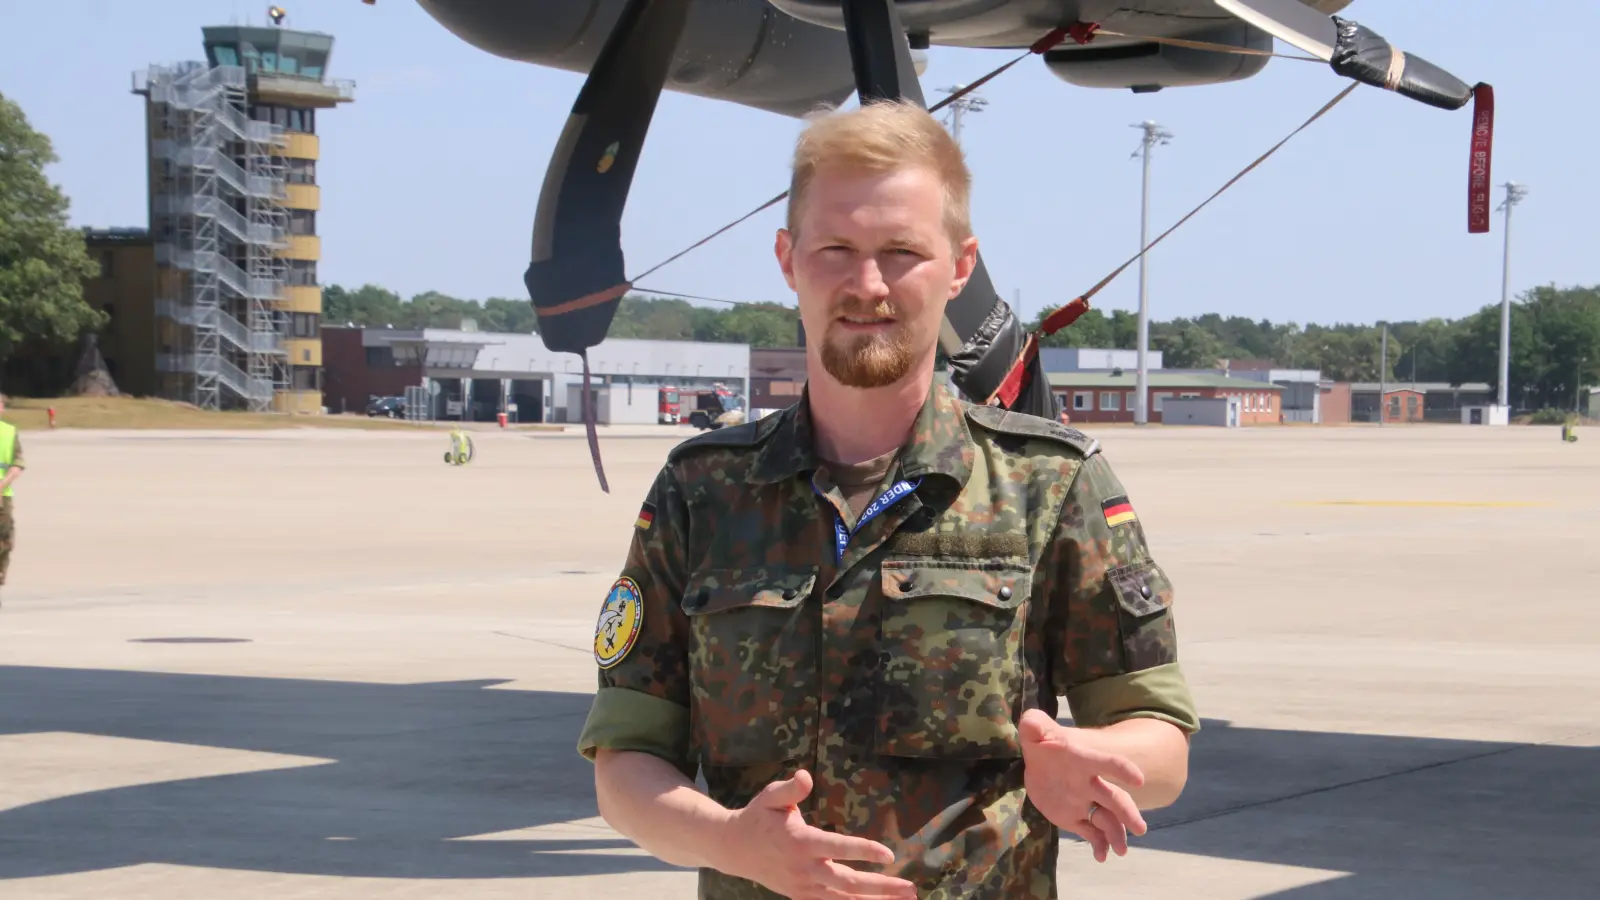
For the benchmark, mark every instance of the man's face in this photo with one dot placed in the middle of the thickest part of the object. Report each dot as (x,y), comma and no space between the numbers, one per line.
(873,266)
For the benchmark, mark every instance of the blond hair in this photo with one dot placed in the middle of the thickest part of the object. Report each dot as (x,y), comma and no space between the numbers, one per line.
(883,136)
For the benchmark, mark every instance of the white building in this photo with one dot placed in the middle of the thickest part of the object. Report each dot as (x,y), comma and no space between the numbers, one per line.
(1087,359)
(477,374)
(1302,390)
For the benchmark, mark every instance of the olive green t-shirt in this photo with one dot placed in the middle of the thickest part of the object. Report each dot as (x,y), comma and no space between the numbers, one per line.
(861,483)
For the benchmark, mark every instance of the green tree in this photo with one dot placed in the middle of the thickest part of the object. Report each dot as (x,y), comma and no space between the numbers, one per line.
(510,316)
(1186,345)
(1566,325)
(1429,348)
(756,324)
(368,306)
(1092,329)
(657,318)
(1477,350)
(43,261)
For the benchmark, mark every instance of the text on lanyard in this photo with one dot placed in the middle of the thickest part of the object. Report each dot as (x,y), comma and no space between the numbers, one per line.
(841,536)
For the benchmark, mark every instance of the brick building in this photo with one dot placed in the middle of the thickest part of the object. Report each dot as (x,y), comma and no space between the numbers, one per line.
(1403,405)
(777,376)
(1335,403)
(354,373)
(1416,401)
(1109,396)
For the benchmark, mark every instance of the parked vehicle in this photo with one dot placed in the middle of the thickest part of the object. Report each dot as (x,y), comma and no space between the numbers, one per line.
(715,408)
(668,406)
(391,407)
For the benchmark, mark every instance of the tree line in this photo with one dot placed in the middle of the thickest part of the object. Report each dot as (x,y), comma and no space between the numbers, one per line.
(1555,336)
(654,318)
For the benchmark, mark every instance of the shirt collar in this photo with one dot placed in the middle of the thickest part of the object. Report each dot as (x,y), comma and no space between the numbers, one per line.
(940,443)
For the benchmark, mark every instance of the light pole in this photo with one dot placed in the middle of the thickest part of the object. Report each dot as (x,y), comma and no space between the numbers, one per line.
(1153,134)
(1383,374)
(1514,194)
(960,106)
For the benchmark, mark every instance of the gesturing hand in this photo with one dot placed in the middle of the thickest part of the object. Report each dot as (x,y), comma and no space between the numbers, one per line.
(775,848)
(1065,778)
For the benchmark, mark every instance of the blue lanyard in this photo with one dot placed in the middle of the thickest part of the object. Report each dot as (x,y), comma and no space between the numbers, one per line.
(841,537)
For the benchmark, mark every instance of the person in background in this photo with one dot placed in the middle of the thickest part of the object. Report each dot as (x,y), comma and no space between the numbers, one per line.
(11,465)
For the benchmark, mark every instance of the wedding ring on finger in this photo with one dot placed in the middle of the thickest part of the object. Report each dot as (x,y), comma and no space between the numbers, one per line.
(1093,808)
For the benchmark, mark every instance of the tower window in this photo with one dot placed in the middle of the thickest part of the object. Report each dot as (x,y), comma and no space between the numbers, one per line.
(304,325)
(302,273)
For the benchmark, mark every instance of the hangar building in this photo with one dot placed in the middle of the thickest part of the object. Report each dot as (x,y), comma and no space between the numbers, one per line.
(475,375)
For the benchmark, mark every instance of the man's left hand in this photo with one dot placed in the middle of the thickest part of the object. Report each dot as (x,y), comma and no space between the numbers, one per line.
(1070,781)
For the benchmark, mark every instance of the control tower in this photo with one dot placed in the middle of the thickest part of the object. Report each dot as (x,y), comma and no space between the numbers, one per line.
(233,153)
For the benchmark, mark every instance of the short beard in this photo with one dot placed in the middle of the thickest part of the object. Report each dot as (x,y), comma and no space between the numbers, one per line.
(868,361)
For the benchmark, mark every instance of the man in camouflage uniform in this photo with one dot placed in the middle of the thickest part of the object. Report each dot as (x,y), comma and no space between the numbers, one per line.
(854,617)
(11,466)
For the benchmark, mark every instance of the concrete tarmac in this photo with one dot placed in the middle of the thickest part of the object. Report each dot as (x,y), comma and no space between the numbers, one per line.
(323,664)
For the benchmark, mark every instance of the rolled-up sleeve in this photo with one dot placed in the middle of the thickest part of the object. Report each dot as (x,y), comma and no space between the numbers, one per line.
(642,697)
(1113,640)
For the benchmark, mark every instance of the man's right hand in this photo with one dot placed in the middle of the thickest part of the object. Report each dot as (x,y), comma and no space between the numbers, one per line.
(771,844)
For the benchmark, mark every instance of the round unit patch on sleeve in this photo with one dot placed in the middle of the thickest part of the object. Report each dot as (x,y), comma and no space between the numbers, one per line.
(620,619)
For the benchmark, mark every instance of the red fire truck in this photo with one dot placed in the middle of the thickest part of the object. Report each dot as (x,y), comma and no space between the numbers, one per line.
(706,407)
(668,407)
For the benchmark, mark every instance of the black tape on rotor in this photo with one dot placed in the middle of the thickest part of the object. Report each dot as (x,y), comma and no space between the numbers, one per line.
(1364,55)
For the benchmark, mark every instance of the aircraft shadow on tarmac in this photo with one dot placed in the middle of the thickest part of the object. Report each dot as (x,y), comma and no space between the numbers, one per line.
(418,765)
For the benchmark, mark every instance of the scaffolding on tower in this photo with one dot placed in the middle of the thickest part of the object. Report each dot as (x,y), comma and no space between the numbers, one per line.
(217,218)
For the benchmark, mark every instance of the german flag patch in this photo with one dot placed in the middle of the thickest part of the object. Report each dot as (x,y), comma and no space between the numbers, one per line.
(1118,511)
(647,514)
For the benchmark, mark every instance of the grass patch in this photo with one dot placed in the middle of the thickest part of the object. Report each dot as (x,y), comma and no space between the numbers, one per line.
(32,414)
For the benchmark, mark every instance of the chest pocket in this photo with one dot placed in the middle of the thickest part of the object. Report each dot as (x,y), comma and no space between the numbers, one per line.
(752,664)
(951,643)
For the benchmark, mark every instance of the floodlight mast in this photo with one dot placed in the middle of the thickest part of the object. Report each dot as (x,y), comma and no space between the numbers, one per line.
(1153,134)
(972,102)
(1514,195)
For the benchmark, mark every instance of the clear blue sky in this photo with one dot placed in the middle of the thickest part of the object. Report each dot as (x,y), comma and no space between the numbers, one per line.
(430,177)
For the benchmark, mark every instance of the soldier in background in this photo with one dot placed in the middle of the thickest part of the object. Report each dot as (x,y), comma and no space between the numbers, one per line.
(11,465)
(854,617)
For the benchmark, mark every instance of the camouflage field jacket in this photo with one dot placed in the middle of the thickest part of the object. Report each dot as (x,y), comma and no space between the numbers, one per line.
(750,634)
